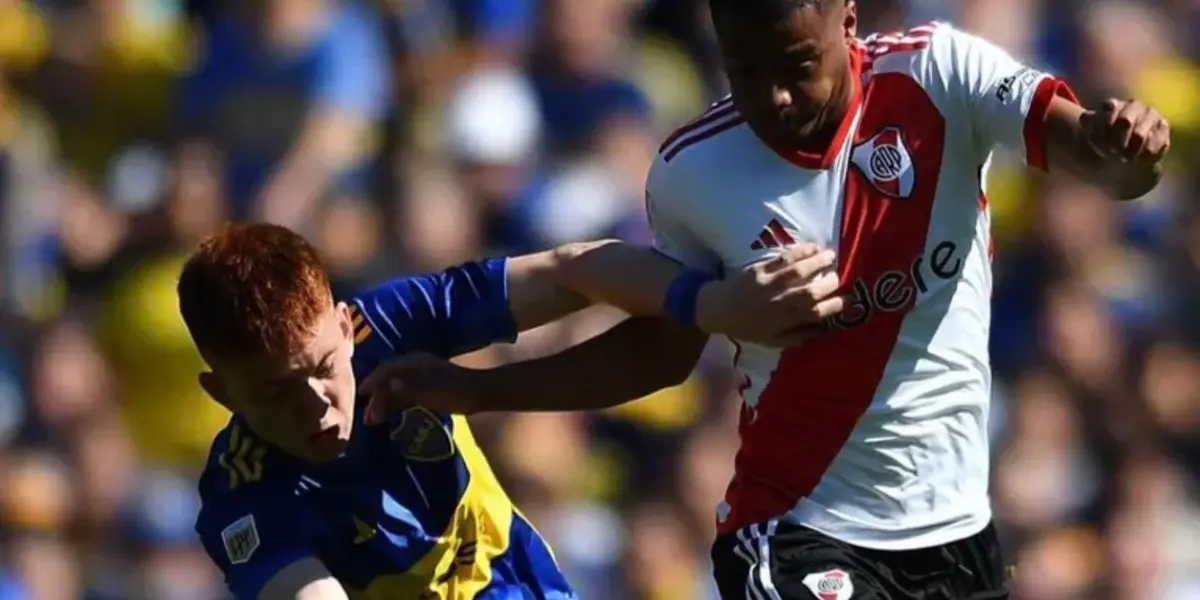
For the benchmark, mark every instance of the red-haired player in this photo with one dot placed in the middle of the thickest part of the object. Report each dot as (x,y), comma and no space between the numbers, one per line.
(304,498)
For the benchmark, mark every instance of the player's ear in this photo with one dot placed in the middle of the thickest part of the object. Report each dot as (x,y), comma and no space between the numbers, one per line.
(213,387)
(850,20)
(345,320)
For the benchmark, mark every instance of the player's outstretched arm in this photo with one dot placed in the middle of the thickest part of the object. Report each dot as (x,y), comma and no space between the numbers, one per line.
(781,301)
(635,358)
(465,307)
(475,304)
(777,302)
(1120,146)
(305,579)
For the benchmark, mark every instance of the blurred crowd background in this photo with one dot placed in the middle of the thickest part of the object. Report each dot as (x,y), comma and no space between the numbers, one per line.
(407,135)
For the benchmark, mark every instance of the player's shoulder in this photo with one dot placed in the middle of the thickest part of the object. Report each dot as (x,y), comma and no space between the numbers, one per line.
(243,470)
(244,480)
(908,52)
(691,148)
(381,314)
(931,53)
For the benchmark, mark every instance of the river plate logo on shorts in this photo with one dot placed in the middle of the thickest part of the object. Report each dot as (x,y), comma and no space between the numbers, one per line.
(830,585)
(422,436)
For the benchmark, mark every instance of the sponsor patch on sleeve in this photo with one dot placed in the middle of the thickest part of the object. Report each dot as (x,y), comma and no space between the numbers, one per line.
(240,539)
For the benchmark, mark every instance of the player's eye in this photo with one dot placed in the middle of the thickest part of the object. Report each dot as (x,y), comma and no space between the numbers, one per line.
(325,371)
(804,69)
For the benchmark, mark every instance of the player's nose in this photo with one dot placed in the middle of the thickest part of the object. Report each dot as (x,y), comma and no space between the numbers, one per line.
(316,401)
(781,97)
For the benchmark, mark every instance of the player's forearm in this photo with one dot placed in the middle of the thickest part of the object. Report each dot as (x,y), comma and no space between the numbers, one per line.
(547,286)
(536,295)
(637,357)
(305,579)
(636,280)
(610,272)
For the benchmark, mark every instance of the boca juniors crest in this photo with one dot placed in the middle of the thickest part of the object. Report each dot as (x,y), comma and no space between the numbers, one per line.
(885,161)
(422,436)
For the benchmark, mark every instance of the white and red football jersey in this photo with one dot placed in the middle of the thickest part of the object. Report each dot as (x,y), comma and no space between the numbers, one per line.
(875,433)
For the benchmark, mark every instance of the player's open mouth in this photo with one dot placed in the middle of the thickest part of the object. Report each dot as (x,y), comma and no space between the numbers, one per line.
(325,434)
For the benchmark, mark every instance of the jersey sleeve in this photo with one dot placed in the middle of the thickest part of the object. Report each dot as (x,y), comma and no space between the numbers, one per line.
(448,313)
(674,235)
(1006,101)
(251,539)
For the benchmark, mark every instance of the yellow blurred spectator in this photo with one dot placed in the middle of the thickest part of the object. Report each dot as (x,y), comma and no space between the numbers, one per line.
(171,420)
(123,63)
(666,410)
(24,37)
(1009,190)
(35,493)
(670,79)
(1173,87)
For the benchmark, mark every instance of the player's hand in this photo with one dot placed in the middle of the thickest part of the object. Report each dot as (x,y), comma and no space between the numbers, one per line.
(419,379)
(779,302)
(1128,131)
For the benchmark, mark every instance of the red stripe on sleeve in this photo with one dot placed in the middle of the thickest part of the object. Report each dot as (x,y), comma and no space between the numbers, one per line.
(1035,121)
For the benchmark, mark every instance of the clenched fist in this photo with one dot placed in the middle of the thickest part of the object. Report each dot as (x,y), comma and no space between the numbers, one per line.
(781,301)
(1128,130)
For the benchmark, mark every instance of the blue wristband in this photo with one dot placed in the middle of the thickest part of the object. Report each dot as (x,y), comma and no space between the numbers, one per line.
(680,302)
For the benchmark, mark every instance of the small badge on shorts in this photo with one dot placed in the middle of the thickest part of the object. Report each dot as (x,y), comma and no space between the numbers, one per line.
(422,436)
(830,585)
(240,539)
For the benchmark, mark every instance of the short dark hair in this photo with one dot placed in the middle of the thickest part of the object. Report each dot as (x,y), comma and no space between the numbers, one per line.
(252,289)
(768,10)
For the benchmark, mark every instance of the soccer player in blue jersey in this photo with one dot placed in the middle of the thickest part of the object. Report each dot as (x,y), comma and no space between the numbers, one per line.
(306,498)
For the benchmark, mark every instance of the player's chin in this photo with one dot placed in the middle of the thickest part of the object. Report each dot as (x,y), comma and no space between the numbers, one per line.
(327,445)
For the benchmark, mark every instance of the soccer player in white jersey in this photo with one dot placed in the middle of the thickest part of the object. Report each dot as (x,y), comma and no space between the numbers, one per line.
(863,468)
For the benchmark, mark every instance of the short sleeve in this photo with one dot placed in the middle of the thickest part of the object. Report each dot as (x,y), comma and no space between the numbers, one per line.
(252,541)
(1007,101)
(674,237)
(447,313)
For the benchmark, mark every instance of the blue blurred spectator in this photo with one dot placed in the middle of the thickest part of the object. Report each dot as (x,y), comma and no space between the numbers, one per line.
(290,91)
(498,22)
(11,589)
(575,75)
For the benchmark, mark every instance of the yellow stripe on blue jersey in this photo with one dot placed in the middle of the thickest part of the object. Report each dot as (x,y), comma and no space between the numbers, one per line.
(362,329)
(243,459)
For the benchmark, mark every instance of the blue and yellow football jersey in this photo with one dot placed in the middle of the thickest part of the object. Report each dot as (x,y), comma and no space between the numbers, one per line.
(412,510)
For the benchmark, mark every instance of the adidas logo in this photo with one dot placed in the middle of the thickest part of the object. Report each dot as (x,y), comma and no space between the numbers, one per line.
(773,235)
